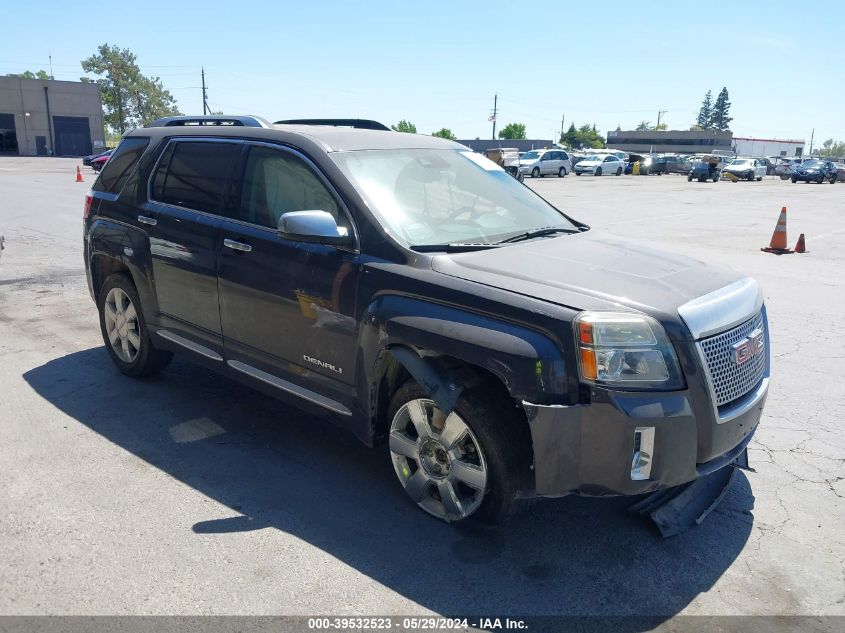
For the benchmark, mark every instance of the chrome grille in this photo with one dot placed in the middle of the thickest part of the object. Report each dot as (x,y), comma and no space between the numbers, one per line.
(730,381)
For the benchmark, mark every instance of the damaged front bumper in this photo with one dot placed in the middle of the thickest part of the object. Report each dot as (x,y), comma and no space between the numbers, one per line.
(625,443)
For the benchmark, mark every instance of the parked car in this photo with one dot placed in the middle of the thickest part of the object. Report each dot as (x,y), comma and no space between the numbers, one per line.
(643,160)
(669,164)
(545,162)
(785,166)
(600,165)
(705,168)
(98,162)
(840,171)
(87,159)
(412,292)
(769,164)
(508,158)
(815,171)
(746,169)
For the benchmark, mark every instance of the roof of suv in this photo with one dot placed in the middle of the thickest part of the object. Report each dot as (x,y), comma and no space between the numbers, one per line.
(331,138)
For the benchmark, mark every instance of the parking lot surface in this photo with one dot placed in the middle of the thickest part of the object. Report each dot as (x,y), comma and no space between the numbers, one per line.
(190,494)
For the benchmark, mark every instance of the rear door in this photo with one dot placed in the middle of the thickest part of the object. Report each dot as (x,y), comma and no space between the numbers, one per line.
(287,307)
(182,219)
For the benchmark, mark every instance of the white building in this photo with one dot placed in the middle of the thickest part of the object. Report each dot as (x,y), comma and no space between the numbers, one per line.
(747,146)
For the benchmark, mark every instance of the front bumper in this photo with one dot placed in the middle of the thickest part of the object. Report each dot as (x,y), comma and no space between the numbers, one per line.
(589,449)
(808,177)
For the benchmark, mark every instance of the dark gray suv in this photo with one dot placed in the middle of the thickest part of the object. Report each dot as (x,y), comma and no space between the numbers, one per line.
(415,294)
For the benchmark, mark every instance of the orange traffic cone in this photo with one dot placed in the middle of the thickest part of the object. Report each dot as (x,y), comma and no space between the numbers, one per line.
(778,244)
(800,246)
(79,174)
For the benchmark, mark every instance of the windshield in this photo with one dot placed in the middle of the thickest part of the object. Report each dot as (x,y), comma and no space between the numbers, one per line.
(529,155)
(810,164)
(741,161)
(425,197)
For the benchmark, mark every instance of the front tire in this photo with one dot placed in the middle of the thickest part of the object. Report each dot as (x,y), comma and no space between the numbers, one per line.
(619,171)
(535,173)
(598,171)
(472,462)
(794,180)
(125,332)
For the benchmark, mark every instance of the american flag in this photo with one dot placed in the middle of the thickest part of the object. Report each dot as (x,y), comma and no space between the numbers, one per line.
(492,117)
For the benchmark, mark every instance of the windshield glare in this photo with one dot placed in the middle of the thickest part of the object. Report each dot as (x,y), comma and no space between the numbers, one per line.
(425,197)
(810,164)
(741,162)
(529,155)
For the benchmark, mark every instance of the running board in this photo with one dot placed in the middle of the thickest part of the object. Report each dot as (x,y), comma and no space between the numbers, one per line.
(678,509)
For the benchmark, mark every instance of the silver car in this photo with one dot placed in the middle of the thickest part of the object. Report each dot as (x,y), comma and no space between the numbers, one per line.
(544,162)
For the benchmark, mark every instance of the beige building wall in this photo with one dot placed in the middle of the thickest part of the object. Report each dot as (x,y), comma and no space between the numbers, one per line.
(26,100)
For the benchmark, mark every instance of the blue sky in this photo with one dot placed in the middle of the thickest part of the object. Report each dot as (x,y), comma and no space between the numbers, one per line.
(438,64)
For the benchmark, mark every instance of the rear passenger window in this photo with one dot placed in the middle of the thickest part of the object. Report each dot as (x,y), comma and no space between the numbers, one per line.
(276,182)
(193,174)
(120,164)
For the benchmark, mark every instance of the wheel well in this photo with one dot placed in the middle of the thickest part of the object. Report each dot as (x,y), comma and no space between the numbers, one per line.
(395,375)
(102,267)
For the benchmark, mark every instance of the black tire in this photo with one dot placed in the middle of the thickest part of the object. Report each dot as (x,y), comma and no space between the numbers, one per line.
(760,179)
(561,172)
(794,179)
(821,179)
(784,177)
(598,171)
(618,171)
(833,179)
(502,433)
(535,173)
(689,178)
(148,360)
(577,173)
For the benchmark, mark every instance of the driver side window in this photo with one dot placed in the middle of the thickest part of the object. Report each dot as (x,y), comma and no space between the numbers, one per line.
(276,182)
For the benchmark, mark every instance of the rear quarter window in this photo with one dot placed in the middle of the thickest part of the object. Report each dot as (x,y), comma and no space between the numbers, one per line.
(120,164)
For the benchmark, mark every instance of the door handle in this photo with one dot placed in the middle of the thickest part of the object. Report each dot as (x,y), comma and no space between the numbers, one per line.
(237,246)
(143,219)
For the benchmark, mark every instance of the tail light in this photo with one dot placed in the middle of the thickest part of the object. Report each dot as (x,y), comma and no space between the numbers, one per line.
(88,199)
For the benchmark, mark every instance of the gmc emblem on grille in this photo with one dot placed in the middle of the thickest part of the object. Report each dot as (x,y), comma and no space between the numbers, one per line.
(749,347)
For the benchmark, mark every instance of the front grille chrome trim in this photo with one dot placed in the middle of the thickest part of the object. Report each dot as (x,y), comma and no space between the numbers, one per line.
(722,309)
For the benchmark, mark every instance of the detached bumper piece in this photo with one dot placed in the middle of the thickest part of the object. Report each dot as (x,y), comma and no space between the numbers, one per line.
(678,509)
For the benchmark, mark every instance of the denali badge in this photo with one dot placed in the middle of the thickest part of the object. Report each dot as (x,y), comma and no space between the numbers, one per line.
(322,363)
(749,347)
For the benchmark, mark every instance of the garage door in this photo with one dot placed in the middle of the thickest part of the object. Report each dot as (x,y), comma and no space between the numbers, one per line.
(8,136)
(73,136)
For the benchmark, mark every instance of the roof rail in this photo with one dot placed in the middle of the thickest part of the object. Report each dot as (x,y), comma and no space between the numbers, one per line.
(211,119)
(361,124)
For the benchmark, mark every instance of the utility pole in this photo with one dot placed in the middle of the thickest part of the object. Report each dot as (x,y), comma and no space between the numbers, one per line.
(51,67)
(204,95)
(560,138)
(812,134)
(660,113)
(495,105)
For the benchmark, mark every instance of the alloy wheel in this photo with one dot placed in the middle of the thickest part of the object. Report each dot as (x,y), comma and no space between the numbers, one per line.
(122,325)
(438,460)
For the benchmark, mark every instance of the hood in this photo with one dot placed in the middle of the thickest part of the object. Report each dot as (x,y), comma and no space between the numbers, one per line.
(590,271)
(739,168)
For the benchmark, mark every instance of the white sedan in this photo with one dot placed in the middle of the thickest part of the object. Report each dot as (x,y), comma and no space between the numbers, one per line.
(747,169)
(600,165)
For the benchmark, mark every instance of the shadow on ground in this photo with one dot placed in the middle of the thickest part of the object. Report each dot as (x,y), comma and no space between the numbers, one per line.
(280,469)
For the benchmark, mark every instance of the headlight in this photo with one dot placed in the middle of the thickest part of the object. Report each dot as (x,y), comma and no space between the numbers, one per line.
(627,351)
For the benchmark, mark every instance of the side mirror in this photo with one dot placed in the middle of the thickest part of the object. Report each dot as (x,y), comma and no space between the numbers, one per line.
(312,226)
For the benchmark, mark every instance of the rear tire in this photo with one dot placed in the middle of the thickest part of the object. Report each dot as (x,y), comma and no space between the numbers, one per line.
(561,172)
(833,180)
(760,179)
(496,444)
(125,332)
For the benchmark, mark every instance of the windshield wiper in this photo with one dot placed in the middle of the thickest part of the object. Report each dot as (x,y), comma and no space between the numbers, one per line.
(541,232)
(455,247)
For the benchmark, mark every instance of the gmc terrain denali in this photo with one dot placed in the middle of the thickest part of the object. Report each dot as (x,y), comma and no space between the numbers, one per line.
(418,295)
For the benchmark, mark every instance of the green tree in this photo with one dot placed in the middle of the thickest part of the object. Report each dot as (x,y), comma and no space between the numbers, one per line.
(832,149)
(570,137)
(585,136)
(705,114)
(721,109)
(643,126)
(513,131)
(660,127)
(446,133)
(404,126)
(41,74)
(130,99)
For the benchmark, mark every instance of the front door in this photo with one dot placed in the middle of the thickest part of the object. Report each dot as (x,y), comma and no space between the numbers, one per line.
(182,221)
(286,307)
